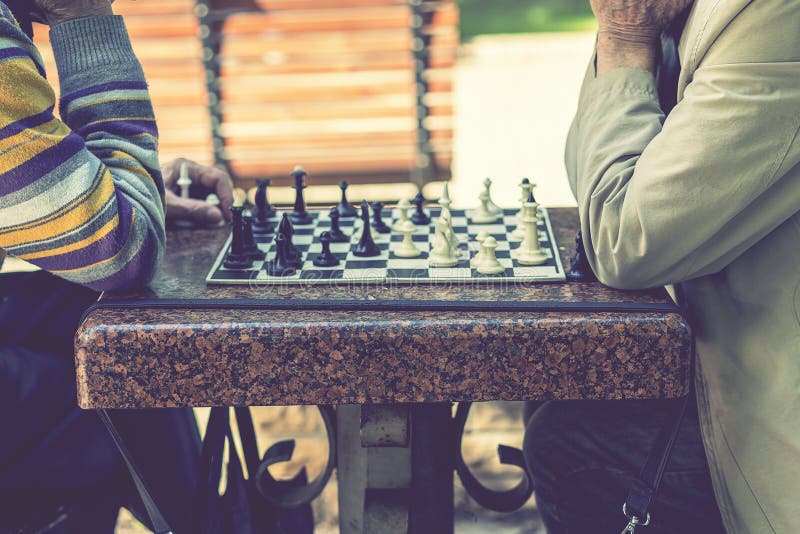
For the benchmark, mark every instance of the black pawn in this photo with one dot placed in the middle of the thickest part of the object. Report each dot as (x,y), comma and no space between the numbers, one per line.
(531,198)
(250,246)
(377,220)
(366,247)
(237,255)
(286,229)
(346,210)
(419,217)
(326,258)
(299,215)
(281,264)
(263,212)
(580,270)
(337,236)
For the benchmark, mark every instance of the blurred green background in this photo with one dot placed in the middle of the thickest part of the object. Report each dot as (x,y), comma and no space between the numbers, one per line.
(524,16)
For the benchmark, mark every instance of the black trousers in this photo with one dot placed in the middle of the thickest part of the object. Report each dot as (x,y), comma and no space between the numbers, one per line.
(56,456)
(583,455)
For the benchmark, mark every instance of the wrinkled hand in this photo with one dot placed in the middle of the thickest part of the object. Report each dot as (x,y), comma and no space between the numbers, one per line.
(205,180)
(54,12)
(639,21)
(629,30)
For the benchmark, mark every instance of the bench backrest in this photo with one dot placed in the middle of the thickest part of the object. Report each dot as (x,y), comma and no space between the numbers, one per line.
(350,89)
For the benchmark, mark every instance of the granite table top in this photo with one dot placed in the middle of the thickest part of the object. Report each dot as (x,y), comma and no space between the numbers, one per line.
(180,342)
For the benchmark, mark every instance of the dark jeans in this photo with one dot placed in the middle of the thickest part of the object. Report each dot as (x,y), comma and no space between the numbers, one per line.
(54,455)
(582,456)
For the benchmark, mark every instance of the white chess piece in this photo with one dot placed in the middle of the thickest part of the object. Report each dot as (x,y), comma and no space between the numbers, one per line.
(407,248)
(524,194)
(445,201)
(484,215)
(449,232)
(213,200)
(184,183)
(530,252)
(404,206)
(478,258)
(442,254)
(490,264)
(518,233)
(494,208)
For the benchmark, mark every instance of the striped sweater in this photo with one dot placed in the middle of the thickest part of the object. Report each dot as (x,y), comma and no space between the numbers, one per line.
(82,198)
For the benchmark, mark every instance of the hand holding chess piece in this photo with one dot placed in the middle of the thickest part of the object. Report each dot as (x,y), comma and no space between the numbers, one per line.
(205,181)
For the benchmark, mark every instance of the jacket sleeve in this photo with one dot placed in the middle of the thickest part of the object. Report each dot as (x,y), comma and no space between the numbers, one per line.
(83,197)
(666,200)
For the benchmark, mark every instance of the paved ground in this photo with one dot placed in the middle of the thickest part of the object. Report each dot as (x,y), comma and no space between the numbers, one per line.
(515,96)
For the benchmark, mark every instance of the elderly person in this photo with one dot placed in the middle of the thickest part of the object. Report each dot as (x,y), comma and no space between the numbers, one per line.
(82,206)
(684,156)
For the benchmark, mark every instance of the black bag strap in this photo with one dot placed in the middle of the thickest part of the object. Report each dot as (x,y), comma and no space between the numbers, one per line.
(247,435)
(160,525)
(644,489)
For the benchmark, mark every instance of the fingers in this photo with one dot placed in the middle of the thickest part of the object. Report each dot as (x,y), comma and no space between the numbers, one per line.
(209,177)
(191,209)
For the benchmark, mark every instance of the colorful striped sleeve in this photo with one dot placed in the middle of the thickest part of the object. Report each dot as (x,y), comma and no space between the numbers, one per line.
(82,198)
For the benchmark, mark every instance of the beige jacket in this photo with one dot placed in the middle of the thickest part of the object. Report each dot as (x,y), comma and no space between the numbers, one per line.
(710,200)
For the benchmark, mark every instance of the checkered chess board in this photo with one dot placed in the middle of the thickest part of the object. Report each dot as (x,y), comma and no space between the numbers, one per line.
(388,268)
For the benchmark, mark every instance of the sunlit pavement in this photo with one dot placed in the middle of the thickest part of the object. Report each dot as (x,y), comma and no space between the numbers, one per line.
(514,101)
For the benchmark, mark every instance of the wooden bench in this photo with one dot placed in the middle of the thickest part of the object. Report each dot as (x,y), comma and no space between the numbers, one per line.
(350,89)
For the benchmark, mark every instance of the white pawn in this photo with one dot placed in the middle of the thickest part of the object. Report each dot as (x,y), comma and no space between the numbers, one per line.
(403,206)
(494,208)
(407,248)
(530,252)
(478,258)
(490,264)
(442,254)
(484,214)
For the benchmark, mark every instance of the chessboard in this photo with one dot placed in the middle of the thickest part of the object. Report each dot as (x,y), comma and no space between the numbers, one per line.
(390,269)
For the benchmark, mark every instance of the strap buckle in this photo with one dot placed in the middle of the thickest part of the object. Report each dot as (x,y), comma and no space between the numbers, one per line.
(633,521)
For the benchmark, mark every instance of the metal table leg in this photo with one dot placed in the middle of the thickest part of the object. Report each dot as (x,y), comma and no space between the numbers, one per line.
(395,469)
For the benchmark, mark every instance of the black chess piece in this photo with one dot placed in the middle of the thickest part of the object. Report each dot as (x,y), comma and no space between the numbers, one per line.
(377,219)
(580,270)
(346,210)
(285,228)
(237,257)
(337,236)
(326,257)
(250,246)
(419,217)
(300,215)
(366,247)
(281,264)
(264,211)
(531,197)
